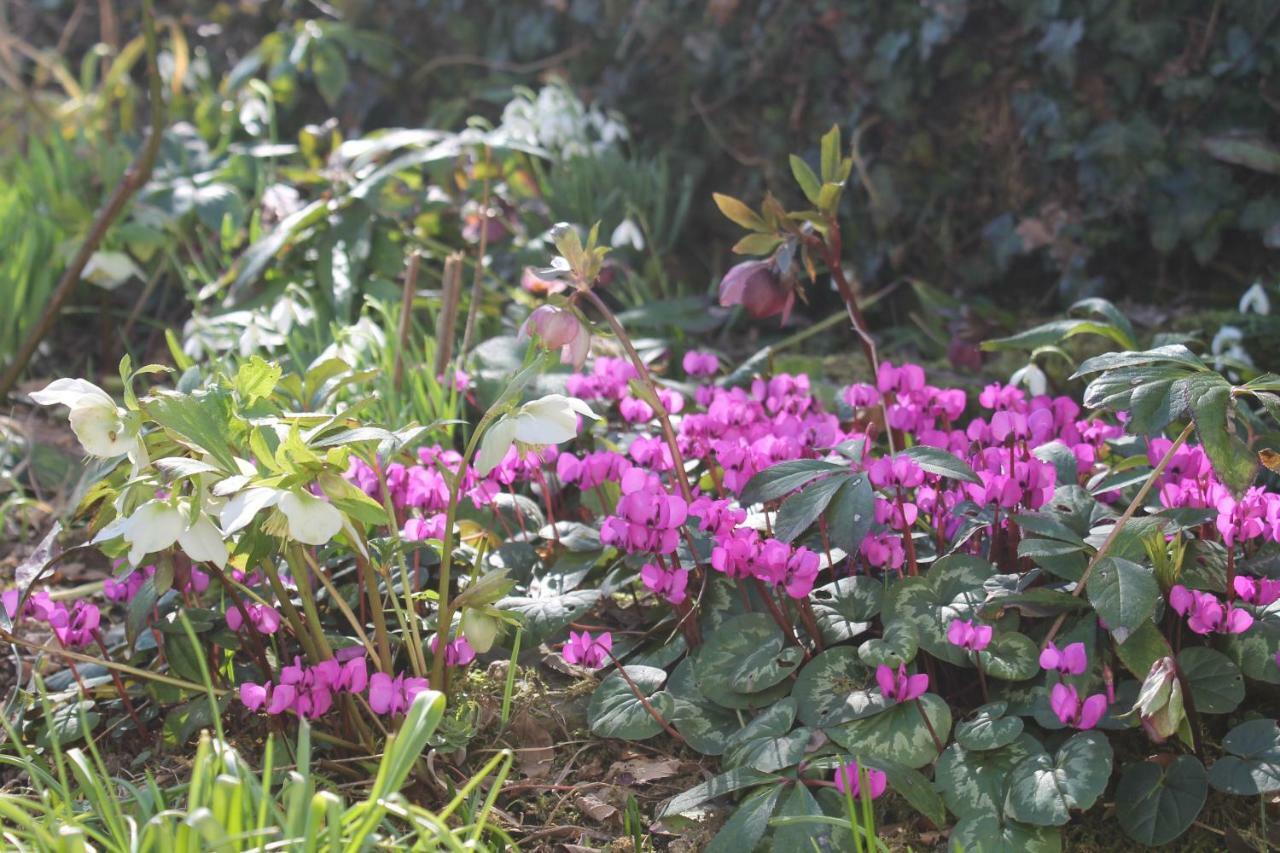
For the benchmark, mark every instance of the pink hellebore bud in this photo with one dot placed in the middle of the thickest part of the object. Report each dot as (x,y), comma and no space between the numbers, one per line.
(559,328)
(755,286)
(1159,705)
(899,686)
(967,635)
(847,780)
(1066,704)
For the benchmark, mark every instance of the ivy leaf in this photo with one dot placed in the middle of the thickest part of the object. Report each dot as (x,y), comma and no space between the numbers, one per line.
(1253,766)
(844,608)
(767,743)
(1011,656)
(952,589)
(747,826)
(1124,594)
(705,726)
(829,691)
(744,664)
(616,712)
(1044,790)
(1155,804)
(1216,683)
(899,732)
(988,728)
(974,782)
(897,646)
(992,833)
(546,617)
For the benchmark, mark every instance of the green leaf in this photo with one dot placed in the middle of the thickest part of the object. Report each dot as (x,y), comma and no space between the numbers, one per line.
(68,724)
(738,664)
(1253,766)
(805,177)
(912,786)
(1156,804)
(784,478)
(802,509)
(1142,648)
(1113,315)
(975,782)
(757,244)
(831,155)
(545,617)
(615,711)
(988,728)
(826,686)
(1255,651)
(1216,683)
(992,833)
(897,646)
(1044,790)
(1251,151)
(899,732)
(844,608)
(767,743)
(330,69)
(1010,656)
(201,421)
(798,836)
(716,786)
(1124,594)
(952,589)
(739,213)
(940,462)
(1233,462)
(704,725)
(1055,332)
(747,826)
(850,514)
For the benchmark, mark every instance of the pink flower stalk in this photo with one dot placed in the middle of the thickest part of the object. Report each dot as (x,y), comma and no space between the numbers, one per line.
(393,696)
(671,586)
(698,363)
(899,686)
(967,635)
(76,627)
(1206,614)
(582,650)
(458,653)
(848,782)
(264,618)
(1256,591)
(1066,704)
(1069,661)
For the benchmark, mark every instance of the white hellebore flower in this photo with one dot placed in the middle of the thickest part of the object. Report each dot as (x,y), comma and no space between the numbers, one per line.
(104,429)
(1032,377)
(550,420)
(1255,299)
(157,525)
(310,520)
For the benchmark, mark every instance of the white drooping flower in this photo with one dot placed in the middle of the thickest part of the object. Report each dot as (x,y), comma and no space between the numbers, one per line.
(1255,299)
(158,525)
(1032,378)
(104,429)
(550,420)
(309,519)
(627,234)
(1228,346)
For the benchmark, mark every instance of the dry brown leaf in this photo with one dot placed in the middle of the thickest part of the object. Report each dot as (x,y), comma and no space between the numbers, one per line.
(595,808)
(638,771)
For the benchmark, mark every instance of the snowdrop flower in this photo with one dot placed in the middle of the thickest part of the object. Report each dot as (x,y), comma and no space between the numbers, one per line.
(550,420)
(310,520)
(157,525)
(1228,345)
(109,270)
(1255,299)
(1032,378)
(628,234)
(104,429)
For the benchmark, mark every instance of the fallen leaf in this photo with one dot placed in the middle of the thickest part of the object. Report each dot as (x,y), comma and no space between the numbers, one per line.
(595,808)
(641,770)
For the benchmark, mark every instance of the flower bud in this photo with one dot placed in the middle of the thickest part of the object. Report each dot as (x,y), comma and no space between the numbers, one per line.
(559,328)
(1159,704)
(756,286)
(480,629)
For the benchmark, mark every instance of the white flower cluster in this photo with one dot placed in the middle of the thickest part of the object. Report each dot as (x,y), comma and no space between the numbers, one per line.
(557,121)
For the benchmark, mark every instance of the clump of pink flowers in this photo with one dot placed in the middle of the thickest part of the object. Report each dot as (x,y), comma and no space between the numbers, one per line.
(1206,614)
(967,635)
(308,691)
(898,686)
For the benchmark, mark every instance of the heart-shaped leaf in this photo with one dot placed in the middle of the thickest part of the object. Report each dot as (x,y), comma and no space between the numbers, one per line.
(1010,656)
(1155,804)
(992,833)
(952,589)
(767,743)
(896,647)
(744,829)
(744,663)
(899,732)
(1044,790)
(1217,687)
(844,608)
(988,728)
(704,725)
(1253,766)
(975,782)
(826,686)
(716,786)
(616,711)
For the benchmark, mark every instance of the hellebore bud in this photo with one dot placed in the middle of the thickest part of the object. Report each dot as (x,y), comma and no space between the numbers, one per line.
(756,286)
(1159,705)
(559,328)
(480,629)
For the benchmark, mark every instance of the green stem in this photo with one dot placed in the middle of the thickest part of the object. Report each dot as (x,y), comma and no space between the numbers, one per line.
(290,612)
(299,572)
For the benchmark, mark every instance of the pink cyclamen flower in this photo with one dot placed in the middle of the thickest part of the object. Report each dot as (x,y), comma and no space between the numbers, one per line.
(1257,591)
(847,780)
(458,653)
(1069,661)
(393,696)
(254,696)
(1206,614)
(670,586)
(38,605)
(263,617)
(899,686)
(1066,704)
(582,650)
(967,635)
(77,626)
(700,363)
